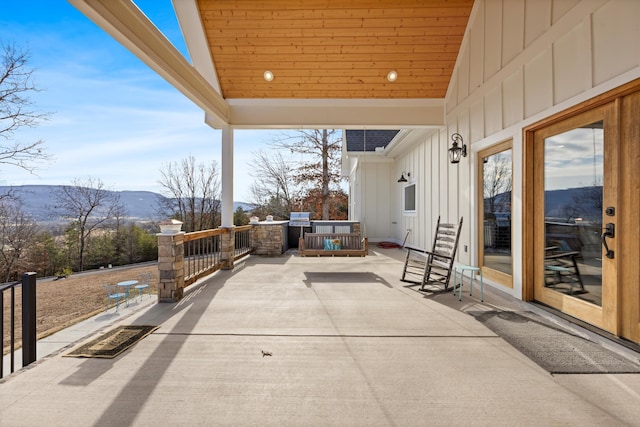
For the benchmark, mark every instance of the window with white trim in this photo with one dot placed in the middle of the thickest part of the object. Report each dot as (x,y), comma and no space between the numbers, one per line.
(409,198)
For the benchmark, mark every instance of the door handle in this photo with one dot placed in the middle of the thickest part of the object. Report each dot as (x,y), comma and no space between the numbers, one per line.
(609,231)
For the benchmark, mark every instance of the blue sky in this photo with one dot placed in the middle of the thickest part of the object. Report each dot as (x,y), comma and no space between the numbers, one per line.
(112,117)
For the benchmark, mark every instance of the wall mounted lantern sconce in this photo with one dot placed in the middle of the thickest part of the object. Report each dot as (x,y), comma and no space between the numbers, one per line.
(403,178)
(457,151)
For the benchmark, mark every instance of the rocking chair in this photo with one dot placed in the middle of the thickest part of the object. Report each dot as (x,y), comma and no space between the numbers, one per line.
(433,267)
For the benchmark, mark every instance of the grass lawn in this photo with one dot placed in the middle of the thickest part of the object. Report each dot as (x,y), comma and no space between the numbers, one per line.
(61,303)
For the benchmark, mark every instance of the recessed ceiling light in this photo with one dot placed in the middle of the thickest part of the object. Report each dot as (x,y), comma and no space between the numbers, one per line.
(392,76)
(268,75)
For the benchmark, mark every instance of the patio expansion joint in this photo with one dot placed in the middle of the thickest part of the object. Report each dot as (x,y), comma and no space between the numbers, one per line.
(232,334)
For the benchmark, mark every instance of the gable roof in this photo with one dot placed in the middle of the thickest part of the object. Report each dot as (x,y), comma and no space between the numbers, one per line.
(368,140)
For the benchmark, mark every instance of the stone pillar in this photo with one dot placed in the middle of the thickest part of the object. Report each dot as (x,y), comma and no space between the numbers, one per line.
(228,249)
(268,239)
(171,267)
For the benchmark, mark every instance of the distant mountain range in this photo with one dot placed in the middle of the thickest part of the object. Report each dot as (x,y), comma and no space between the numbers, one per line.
(141,205)
(566,204)
(582,202)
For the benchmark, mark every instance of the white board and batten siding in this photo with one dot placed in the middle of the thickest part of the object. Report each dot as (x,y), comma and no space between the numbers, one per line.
(373,199)
(520,61)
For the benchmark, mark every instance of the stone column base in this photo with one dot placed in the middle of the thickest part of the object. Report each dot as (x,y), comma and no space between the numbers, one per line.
(228,248)
(171,267)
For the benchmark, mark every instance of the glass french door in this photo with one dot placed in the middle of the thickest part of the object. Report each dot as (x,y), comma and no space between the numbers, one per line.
(575,217)
(581,198)
(495,178)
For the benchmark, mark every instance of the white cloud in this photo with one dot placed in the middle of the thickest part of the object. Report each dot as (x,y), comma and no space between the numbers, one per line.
(574,159)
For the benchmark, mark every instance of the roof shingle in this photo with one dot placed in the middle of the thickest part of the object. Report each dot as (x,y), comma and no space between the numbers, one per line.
(369,140)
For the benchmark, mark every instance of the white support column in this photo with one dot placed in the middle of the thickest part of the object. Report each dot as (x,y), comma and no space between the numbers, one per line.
(227,176)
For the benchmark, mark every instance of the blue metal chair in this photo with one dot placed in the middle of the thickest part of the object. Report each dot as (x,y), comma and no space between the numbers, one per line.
(113,294)
(144,283)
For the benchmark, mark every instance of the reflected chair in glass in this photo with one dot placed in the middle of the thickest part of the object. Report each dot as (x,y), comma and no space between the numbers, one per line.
(114,295)
(144,283)
(561,267)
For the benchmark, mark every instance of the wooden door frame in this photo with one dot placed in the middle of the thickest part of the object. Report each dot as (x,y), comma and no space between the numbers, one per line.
(629,194)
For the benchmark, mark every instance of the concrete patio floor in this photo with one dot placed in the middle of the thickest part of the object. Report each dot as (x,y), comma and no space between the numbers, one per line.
(350,345)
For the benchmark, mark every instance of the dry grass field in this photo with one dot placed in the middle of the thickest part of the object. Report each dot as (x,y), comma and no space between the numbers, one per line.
(61,303)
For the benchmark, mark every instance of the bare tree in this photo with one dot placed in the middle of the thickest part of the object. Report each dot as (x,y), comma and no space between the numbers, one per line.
(15,110)
(320,167)
(192,192)
(273,189)
(89,206)
(17,232)
(497,180)
(338,203)
(587,202)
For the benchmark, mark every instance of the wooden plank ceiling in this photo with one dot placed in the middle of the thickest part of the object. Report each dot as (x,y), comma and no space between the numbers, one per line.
(333,48)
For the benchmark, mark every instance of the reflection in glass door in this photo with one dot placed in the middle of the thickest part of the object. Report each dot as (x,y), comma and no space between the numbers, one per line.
(581,196)
(573,206)
(495,243)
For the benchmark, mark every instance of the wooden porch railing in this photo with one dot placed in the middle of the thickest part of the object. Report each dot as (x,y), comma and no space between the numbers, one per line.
(242,245)
(203,250)
(202,254)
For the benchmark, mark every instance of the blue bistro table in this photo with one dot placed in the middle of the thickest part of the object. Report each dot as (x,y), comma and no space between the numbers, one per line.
(127,285)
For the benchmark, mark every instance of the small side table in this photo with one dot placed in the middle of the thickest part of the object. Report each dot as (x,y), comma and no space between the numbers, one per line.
(127,284)
(461,268)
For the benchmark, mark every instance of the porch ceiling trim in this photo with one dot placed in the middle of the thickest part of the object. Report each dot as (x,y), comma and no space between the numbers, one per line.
(129,26)
(336,113)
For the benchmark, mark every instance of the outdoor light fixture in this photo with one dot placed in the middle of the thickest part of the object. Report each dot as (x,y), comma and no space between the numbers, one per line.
(456,151)
(402,177)
(268,75)
(392,76)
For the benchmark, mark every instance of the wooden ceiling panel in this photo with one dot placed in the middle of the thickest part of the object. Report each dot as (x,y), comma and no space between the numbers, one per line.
(334,49)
